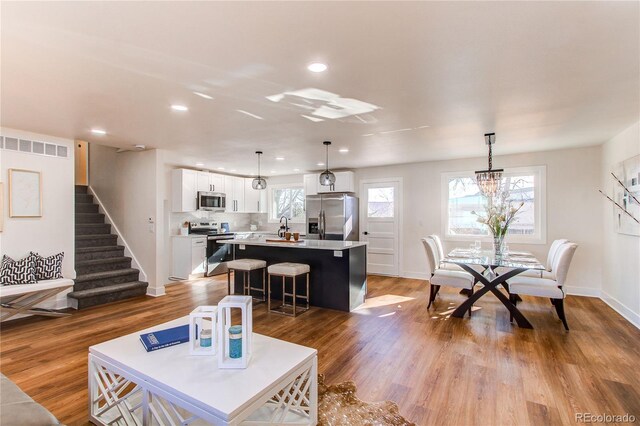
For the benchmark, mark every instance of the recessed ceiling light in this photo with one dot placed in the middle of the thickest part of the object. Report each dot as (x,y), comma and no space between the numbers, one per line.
(203,95)
(320,164)
(98,132)
(233,170)
(273,171)
(220,168)
(199,164)
(280,158)
(317,67)
(343,150)
(176,107)
(296,170)
(368,134)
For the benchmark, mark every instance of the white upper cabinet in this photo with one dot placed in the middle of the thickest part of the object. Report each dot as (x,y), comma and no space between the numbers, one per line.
(184,190)
(311,184)
(255,200)
(217,182)
(210,182)
(234,188)
(345,182)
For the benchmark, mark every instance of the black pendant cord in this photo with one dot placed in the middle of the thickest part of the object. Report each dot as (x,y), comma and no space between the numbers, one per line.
(327,158)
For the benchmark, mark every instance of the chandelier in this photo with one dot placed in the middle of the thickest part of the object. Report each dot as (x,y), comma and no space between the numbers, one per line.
(259,182)
(490,180)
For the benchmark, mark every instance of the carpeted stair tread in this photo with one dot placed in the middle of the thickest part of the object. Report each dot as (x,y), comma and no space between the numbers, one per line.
(105,274)
(98,248)
(81,189)
(93,228)
(82,294)
(86,218)
(111,263)
(96,237)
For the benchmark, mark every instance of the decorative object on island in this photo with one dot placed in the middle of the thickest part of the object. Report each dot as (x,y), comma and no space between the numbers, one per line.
(490,180)
(259,182)
(202,330)
(327,178)
(626,196)
(228,338)
(499,214)
(25,193)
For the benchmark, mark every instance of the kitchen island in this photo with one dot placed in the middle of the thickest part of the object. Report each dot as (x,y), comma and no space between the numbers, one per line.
(338,278)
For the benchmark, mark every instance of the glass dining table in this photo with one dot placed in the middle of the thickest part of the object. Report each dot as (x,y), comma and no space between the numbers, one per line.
(510,265)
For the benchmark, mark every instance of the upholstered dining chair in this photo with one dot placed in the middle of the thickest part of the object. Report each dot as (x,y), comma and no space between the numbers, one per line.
(451,266)
(551,287)
(444,277)
(548,272)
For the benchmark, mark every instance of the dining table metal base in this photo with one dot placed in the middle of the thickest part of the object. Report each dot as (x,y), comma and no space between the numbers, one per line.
(492,286)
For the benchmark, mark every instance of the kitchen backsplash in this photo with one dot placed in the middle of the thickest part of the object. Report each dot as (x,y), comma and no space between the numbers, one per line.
(237,221)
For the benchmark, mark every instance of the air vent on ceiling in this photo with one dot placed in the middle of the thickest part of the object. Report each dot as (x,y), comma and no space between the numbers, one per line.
(34,147)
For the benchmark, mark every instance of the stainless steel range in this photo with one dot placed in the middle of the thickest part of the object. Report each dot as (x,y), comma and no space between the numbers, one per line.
(218,253)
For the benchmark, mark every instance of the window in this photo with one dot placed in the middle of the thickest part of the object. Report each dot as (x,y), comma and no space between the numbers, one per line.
(380,202)
(287,200)
(461,197)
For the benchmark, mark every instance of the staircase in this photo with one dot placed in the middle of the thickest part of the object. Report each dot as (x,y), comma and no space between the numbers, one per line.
(103,273)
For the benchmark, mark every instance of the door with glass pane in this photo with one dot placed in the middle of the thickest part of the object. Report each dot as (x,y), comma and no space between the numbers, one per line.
(380,226)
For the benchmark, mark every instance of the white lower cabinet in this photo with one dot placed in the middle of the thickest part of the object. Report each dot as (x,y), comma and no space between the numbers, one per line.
(189,256)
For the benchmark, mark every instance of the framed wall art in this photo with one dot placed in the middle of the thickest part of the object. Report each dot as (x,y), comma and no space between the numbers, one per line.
(25,193)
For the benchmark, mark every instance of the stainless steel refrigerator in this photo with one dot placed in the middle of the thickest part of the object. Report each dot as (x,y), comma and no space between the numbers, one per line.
(332,217)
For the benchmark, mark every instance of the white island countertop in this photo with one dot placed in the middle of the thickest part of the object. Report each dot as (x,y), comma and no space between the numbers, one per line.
(305,244)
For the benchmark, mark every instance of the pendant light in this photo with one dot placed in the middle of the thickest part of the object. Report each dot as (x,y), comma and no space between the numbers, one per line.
(490,180)
(259,182)
(327,178)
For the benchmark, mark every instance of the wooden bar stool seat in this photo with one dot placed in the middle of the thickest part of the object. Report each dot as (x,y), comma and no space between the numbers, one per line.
(246,266)
(292,270)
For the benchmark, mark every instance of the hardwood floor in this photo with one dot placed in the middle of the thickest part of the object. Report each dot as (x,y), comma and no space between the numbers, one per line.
(441,371)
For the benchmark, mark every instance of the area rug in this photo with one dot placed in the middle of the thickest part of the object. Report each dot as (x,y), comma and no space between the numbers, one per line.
(339,406)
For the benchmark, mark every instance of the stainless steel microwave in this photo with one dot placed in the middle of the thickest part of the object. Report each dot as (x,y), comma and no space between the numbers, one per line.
(211,201)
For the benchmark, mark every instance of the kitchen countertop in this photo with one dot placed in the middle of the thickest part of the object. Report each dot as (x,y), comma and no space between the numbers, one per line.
(305,244)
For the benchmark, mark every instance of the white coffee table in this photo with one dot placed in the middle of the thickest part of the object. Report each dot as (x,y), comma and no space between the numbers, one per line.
(129,386)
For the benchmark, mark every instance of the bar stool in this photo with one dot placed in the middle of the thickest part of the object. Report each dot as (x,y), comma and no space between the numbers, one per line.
(246,266)
(285,270)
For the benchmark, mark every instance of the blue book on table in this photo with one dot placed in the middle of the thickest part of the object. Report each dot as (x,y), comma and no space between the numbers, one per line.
(165,338)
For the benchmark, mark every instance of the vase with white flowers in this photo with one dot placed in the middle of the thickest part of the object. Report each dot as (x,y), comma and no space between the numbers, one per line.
(498,216)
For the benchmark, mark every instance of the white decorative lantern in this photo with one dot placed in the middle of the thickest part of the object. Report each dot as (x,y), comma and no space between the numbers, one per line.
(198,338)
(230,355)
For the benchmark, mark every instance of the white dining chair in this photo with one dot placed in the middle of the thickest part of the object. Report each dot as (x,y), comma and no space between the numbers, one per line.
(444,277)
(547,287)
(449,266)
(548,272)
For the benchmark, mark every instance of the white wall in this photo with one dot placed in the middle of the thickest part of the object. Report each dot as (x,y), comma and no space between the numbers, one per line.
(620,253)
(573,208)
(126,184)
(55,230)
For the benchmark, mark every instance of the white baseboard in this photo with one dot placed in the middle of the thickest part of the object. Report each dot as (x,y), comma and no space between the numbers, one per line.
(582,291)
(416,275)
(622,309)
(155,291)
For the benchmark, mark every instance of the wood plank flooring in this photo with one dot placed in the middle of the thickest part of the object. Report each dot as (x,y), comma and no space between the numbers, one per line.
(441,371)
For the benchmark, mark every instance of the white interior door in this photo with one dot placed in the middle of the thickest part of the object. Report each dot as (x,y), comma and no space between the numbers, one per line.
(380,225)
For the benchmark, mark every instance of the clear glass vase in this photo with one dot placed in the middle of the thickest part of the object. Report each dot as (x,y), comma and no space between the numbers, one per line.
(498,245)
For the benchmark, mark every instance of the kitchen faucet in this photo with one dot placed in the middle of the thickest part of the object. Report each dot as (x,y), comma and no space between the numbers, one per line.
(285,228)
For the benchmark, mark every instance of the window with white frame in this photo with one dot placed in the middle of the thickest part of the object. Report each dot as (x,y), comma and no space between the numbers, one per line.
(461,198)
(287,200)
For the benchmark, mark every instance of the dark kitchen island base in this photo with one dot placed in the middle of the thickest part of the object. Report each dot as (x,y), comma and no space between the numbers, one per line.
(338,278)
